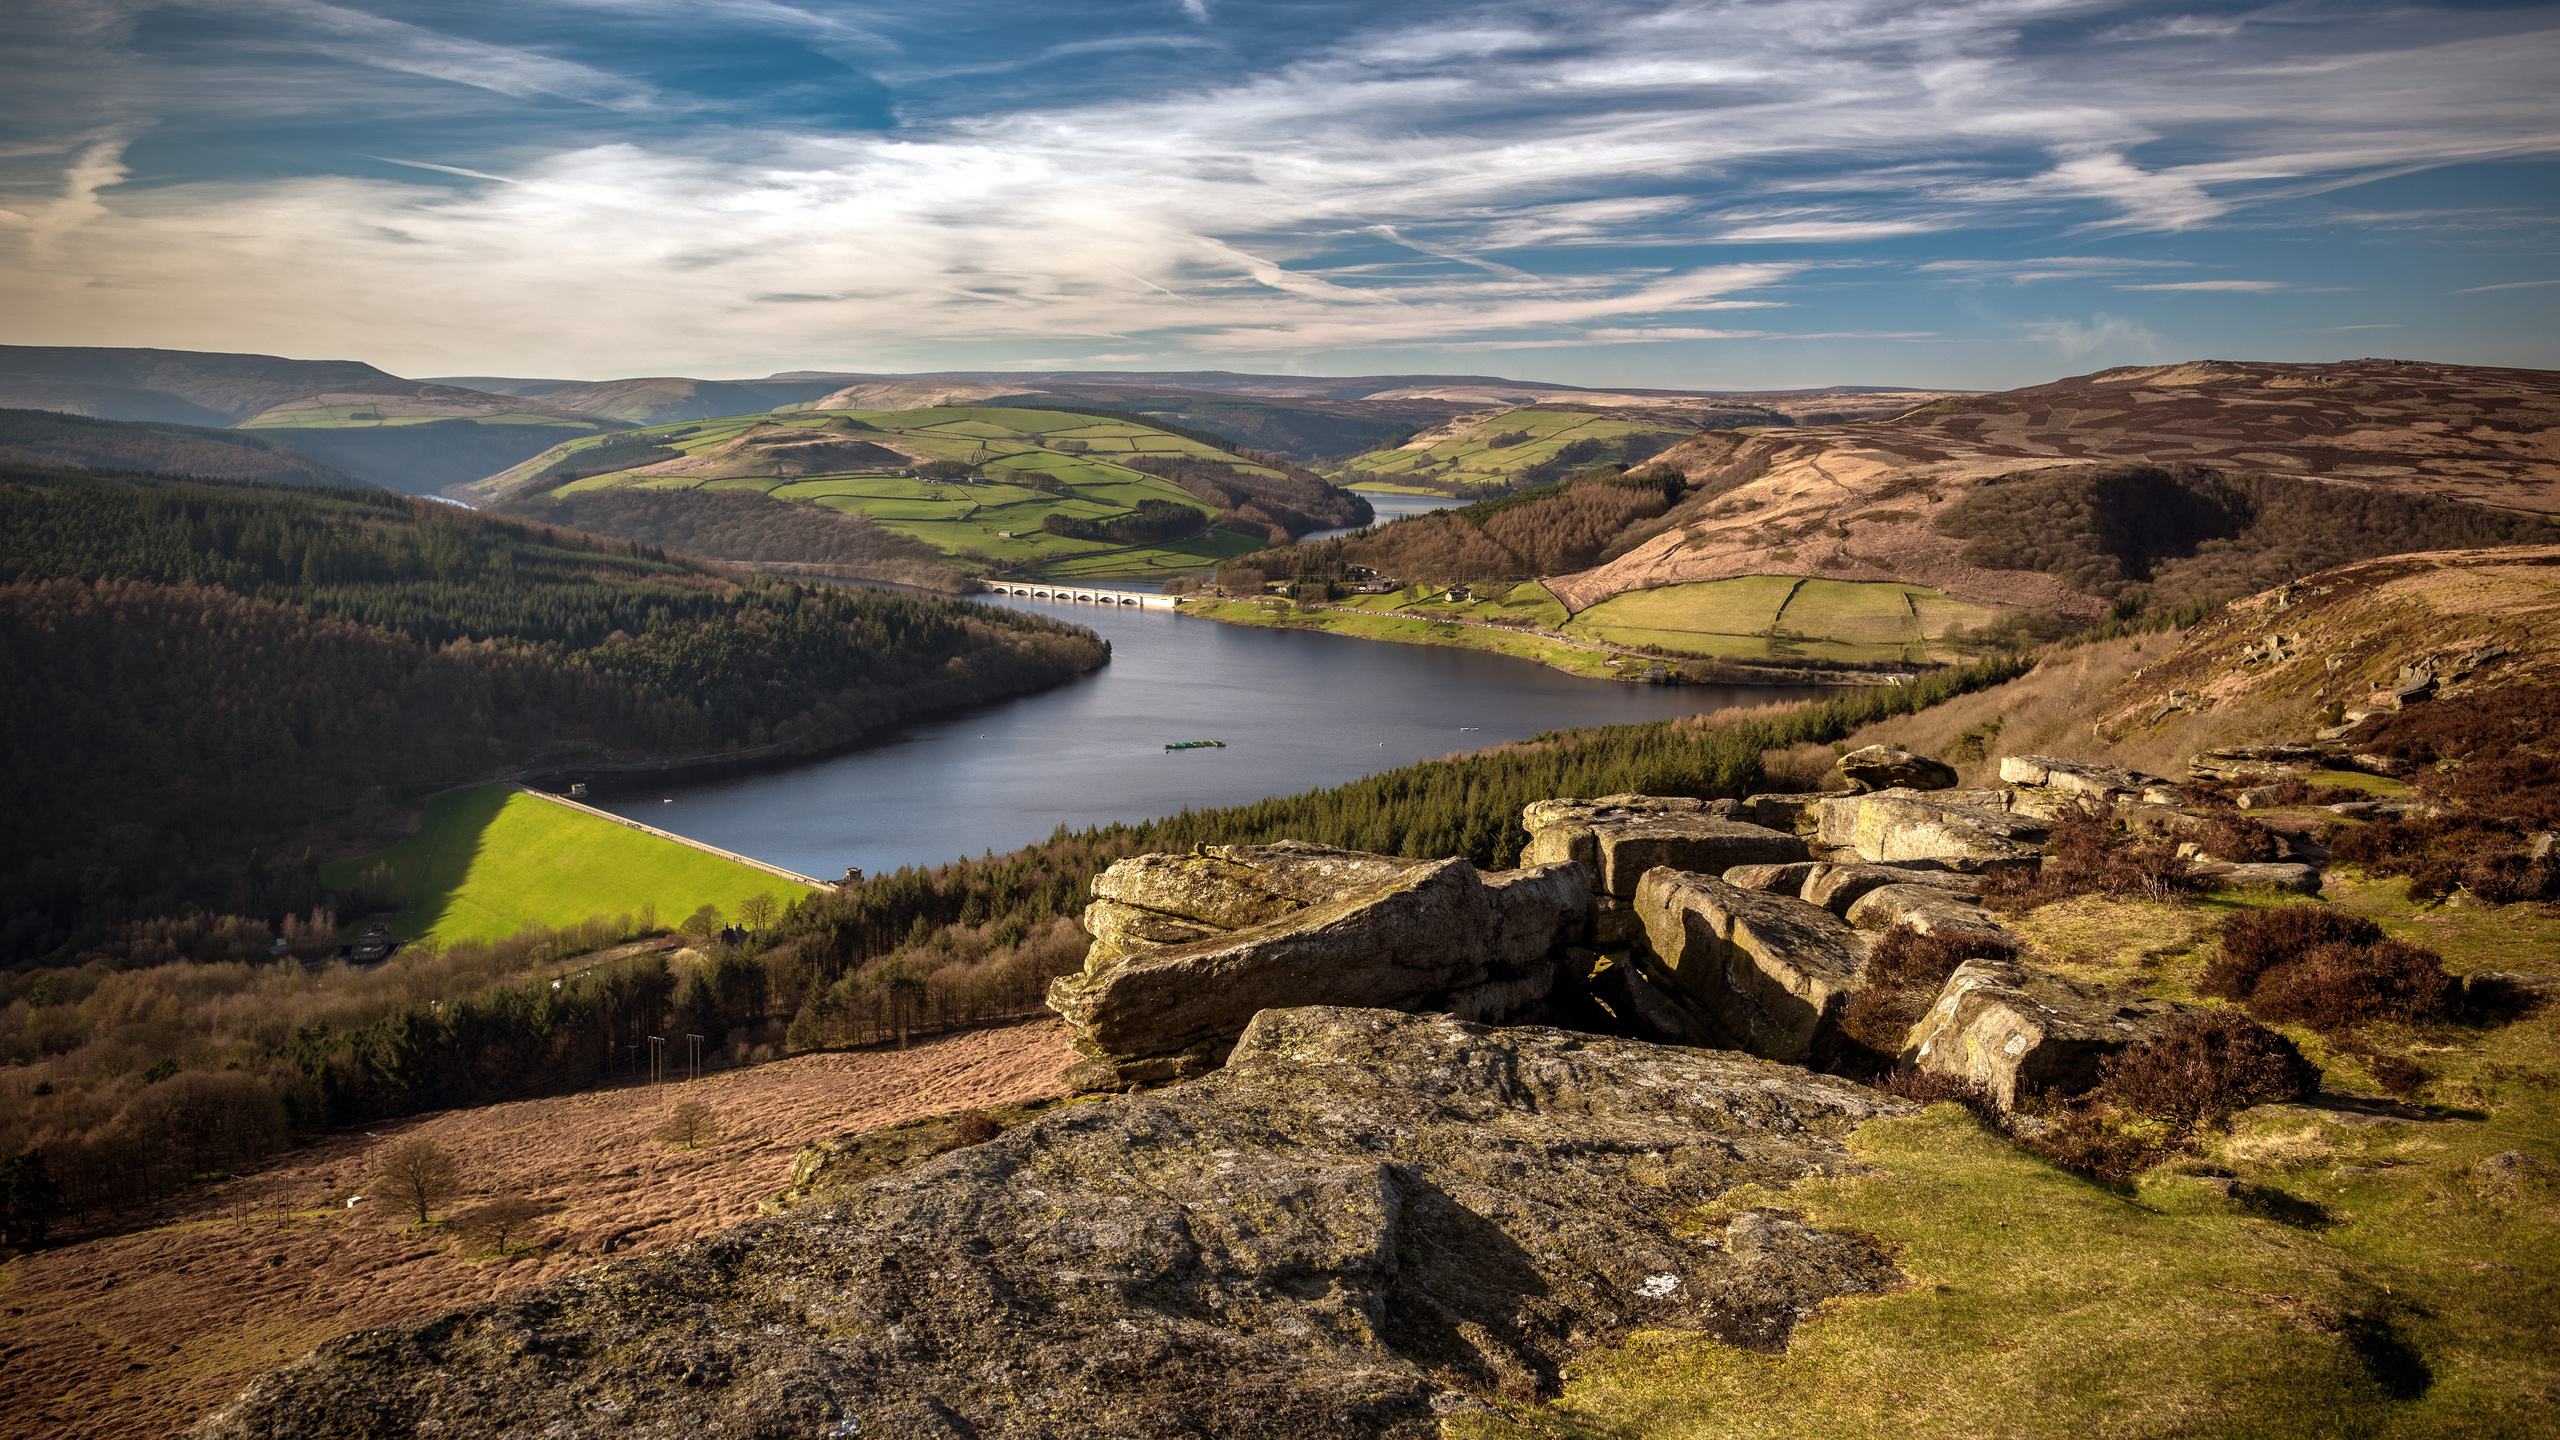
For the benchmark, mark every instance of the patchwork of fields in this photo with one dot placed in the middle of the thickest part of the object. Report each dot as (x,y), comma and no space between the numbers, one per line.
(1026,465)
(488,860)
(1489,453)
(1781,616)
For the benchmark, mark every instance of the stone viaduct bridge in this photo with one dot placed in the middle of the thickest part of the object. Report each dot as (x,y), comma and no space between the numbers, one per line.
(1038,590)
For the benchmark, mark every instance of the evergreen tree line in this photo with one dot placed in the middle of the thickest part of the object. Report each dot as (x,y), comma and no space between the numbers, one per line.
(1468,805)
(253,1052)
(177,696)
(1551,530)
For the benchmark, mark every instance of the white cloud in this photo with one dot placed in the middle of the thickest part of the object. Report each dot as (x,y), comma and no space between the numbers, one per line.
(2047,267)
(2251,286)
(1787,230)
(1245,217)
(2510,285)
(2103,332)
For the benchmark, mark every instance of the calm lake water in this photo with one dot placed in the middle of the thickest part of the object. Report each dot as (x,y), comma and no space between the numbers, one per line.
(1298,711)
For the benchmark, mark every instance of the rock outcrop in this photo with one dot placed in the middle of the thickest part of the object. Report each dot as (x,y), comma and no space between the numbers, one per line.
(2019,1031)
(1363,1213)
(1617,838)
(1771,972)
(1929,909)
(1837,887)
(1188,948)
(1890,767)
(1967,830)
(2040,785)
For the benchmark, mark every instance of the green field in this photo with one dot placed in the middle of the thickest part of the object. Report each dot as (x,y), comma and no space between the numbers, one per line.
(489,860)
(1498,601)
(1410,629)
(1469,460)
(1781,616)
(985,515)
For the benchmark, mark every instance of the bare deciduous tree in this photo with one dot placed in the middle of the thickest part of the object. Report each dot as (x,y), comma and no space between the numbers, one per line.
(506,1218)
(418,1176)
(691,1126)
(757,910)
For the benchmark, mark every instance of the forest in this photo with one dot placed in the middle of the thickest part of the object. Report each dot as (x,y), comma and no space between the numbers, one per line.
(269,1048)
(2184,533)
(1294,502)
(742,525)
(50,438)
(1553,530)
(194,670)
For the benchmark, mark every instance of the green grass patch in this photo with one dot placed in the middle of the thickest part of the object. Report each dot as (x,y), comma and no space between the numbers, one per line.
(488,860)
(1409,629)
(2354,1282)
(1780,616)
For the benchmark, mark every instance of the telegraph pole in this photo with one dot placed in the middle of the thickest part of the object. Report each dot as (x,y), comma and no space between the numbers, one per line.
(657,1059)
(693,1058)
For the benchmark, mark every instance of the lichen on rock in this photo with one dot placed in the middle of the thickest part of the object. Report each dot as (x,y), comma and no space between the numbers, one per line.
(1363,1210)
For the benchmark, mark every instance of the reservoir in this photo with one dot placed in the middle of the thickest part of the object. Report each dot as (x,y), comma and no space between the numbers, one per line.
(1297,710)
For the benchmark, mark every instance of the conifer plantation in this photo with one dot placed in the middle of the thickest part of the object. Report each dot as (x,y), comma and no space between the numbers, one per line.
(196,670)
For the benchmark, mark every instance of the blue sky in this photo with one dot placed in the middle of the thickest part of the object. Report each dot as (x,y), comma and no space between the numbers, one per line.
(1736,195)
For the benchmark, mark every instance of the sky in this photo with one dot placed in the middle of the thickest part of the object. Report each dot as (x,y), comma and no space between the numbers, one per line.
(1752,194)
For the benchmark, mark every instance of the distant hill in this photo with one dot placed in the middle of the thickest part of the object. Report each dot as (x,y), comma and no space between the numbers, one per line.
(51,438)
(190,386)
(2224,458)
(432,456)
(409,435)
(2146,486)
(654,400)
(1027,489)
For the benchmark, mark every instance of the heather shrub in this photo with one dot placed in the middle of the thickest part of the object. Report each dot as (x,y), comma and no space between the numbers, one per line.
(2333,986)
(1903,974)
(2088,855)
(2204,1067)
(2254,941)
(2398,1074)
(2098,1139)
(2236,839)
(1928,1087)
(974,1127)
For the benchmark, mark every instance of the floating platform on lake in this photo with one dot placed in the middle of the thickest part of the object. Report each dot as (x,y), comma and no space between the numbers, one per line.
(1197,745)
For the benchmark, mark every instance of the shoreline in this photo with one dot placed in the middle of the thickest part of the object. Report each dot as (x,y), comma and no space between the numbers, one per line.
(1589,659)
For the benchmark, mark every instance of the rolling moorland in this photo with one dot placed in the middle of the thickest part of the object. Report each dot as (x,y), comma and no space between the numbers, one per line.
(979,488)
(2279,1269)
(424,436)
(2388,1258)
(2126,492)
(407,435)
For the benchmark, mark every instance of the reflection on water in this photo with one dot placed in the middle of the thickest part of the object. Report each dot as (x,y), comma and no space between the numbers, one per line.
(1298,711)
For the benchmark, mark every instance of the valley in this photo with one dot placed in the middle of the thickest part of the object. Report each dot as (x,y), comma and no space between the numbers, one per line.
(2346,563)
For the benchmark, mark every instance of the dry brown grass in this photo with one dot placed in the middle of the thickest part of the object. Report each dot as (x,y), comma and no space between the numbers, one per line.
(142,1333)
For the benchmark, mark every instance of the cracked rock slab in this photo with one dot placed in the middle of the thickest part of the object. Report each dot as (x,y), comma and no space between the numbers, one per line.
(2017,1030)
(1945,828)
(1617,839)
(1771,971)
(1342,928)
(1315,1241)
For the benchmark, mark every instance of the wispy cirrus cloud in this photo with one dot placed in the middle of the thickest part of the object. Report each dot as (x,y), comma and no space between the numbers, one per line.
(2243,286)
(1490,174)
